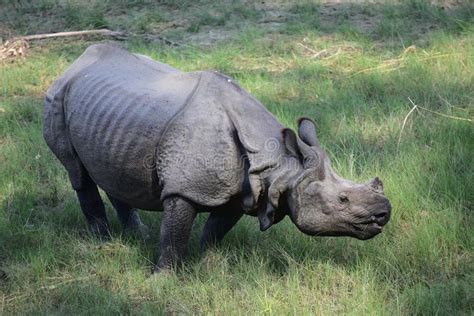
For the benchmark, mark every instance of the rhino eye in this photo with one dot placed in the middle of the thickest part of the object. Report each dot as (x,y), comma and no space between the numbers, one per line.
(343,199)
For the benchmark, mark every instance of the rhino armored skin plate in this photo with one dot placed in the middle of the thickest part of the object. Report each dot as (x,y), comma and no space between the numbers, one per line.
(156,138)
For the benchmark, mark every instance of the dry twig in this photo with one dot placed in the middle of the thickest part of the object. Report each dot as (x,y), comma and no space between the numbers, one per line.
(416,107)
(67,281)
(404,122)
(445,115)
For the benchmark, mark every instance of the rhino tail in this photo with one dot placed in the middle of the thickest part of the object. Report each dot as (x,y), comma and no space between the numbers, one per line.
(55,133)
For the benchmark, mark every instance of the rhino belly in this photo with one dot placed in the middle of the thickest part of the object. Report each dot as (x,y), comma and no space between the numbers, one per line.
(115,135)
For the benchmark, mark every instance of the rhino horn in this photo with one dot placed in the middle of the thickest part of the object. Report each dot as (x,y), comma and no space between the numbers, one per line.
(376,185)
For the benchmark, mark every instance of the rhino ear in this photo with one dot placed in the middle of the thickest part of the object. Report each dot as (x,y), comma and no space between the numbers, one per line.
(307,131)
(291,142)
(299,148)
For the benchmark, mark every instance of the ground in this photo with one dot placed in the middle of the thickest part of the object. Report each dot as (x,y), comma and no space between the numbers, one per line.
(357,69)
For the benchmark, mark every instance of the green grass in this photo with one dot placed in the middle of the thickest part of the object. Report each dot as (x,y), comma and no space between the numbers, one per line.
(357,90)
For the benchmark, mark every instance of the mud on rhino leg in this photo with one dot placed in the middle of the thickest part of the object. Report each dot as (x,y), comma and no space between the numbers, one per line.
(178,218)
(93,207)
(218,224)
(129,219)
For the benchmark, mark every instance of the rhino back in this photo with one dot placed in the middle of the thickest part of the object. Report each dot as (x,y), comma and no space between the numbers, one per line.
(221,136)
(116,110)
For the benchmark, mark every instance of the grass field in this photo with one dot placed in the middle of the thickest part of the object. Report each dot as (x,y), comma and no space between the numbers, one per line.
(353,68)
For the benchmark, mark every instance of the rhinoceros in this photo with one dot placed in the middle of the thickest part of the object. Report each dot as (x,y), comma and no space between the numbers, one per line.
(160,139)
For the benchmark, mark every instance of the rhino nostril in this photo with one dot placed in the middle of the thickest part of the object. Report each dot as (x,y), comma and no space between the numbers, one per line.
(381,214)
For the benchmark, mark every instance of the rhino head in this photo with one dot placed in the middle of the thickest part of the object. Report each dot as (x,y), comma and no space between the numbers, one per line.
(322,203)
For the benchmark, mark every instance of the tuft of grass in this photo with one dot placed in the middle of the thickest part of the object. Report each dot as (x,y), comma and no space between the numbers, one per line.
(145,21)
(305,16)
(83,16)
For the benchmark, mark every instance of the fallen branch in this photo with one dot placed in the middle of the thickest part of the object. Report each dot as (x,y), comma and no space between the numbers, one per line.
(103,32)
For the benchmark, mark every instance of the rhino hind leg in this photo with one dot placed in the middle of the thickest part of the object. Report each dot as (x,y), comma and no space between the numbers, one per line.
(93,207)
(178,218)
(130,219)
(218,224)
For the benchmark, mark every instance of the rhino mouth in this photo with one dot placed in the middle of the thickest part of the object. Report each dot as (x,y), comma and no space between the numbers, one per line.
(370,228)
(367,230)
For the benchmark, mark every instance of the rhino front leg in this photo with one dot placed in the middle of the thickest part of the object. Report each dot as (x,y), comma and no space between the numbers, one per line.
(130,219)
(176,227)
(93,207)
(218,224)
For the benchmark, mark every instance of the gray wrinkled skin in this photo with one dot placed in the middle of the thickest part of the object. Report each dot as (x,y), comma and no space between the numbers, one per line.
(156,138)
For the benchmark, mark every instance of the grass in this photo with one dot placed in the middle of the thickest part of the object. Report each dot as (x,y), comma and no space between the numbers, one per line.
(355,82)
